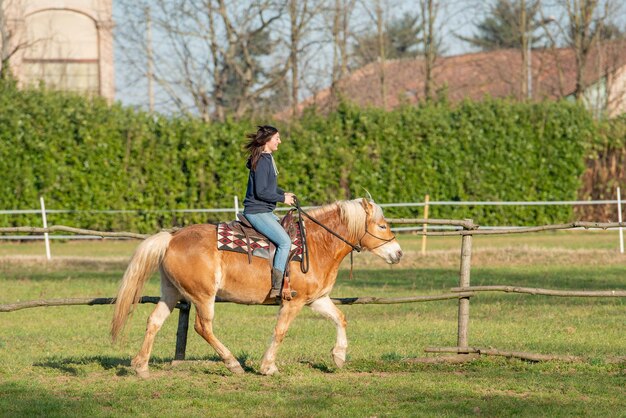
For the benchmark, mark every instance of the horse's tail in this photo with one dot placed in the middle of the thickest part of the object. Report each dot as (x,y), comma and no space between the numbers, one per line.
(145,261)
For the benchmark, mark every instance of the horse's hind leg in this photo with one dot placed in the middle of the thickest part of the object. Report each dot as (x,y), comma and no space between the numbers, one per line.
(327,308)
(169,297)
(288,311)
(205,311)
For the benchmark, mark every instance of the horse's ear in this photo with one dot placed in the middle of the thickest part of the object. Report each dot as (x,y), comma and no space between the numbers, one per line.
(367,206)
(369,195)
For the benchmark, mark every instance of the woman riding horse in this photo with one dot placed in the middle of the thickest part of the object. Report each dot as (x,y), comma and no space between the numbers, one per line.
(192,268)
(262,194)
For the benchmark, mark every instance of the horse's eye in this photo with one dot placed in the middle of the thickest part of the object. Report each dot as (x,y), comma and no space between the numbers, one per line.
(382,226)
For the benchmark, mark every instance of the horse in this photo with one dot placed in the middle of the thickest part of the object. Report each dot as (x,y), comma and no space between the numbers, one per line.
(192,269)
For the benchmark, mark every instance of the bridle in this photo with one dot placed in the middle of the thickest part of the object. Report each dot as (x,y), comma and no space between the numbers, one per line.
(384,240)
(358,247)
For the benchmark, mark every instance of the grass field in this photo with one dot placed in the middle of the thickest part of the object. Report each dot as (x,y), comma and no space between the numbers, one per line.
(58,361)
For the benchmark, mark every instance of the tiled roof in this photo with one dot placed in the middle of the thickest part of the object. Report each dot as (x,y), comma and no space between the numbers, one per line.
(494,73)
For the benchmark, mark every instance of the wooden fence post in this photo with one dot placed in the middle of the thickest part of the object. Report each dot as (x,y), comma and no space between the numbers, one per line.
(464,281)
(181,333)
(425,226)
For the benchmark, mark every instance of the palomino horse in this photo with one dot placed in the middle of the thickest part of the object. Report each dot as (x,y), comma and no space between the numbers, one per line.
(193,269)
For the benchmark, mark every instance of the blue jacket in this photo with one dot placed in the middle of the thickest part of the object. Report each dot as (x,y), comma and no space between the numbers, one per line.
(263,191)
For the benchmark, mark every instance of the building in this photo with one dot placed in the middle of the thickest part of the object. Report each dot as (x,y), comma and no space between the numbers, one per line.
(492,73)
(66,44)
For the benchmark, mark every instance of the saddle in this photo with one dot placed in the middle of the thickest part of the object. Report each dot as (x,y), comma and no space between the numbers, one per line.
(240,236)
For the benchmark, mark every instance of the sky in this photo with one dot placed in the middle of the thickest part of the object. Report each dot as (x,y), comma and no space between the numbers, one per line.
(457,17)
(133,91)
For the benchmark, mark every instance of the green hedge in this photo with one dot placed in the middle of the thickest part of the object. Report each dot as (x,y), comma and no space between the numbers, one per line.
(488,151)
(83,154)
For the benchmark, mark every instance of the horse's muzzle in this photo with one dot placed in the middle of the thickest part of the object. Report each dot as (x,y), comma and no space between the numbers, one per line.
(395,258)
(392,254)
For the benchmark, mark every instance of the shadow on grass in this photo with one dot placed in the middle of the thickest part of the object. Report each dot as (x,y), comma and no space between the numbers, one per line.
(76,366)
(322,367)
(21,399)
(492,392)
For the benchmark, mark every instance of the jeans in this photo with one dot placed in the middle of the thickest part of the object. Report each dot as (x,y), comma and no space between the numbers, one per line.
(267,224)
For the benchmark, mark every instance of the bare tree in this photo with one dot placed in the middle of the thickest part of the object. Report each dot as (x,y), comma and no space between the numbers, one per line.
(301,13)
(429,11)
(341,33)
(339,15)
(586,20)
(380,32)
(414,34)
(207,54)
(374,46)
(524,26)
(5,48)
(180,75)
(582,36)
(149,60)
(10,42)
(400,39)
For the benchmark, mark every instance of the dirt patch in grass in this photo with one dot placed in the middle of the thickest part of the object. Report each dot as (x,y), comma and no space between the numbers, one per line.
(481,257)
(496,257)
(60,263)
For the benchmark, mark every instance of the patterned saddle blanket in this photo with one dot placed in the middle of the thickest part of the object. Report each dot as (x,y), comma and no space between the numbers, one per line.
(229,238)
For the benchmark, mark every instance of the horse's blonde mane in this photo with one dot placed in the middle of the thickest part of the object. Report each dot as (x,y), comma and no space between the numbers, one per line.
(351,213)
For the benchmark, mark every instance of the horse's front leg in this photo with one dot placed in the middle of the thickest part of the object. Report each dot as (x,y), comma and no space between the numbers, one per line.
(327,308)
(288,311)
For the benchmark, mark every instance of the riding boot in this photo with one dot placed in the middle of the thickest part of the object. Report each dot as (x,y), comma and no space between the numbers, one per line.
(277,282)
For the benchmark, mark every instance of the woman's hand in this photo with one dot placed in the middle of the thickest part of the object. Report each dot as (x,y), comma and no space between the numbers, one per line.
(290,198)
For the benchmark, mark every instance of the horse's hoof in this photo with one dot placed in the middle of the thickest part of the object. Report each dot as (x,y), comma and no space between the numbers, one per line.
(136,363)
(235,368)
(269,370)
(140,367)
(339,358)
(142,373)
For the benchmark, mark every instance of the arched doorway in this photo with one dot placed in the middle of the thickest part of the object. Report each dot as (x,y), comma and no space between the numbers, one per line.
(62,51)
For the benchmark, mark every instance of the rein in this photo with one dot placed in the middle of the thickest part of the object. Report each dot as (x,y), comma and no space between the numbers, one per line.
(301,212)
(304,266)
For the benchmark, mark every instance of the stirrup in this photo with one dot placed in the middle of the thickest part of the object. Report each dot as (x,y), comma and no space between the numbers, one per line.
(274,293)
(287,295)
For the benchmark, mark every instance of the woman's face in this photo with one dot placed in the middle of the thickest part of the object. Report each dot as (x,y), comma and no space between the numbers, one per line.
(272,144)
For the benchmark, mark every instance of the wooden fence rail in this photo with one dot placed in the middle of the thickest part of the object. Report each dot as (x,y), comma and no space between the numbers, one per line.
(545,292)
(469,228)
(463,292)
(184,308)
(457,293)
(364,300)
(63,228)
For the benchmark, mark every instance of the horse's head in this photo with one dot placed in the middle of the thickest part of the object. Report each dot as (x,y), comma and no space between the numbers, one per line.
(374,234)
(377,236)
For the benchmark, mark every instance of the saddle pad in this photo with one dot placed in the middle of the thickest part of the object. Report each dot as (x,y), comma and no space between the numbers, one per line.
(229,240)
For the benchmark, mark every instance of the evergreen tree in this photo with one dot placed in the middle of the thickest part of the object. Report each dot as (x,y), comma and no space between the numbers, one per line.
(401,40)
(259,45)
(501,28)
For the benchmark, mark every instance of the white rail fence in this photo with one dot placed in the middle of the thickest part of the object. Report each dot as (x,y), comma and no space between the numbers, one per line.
(235,210)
